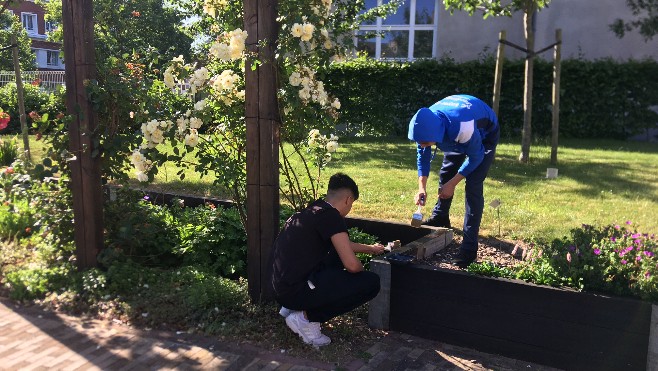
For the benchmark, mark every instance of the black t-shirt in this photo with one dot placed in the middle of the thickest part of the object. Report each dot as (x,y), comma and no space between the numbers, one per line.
(302,245)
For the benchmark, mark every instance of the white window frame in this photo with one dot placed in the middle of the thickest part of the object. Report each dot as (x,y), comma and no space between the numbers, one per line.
(35,23)
(51,26)
(379,28)
(48,60)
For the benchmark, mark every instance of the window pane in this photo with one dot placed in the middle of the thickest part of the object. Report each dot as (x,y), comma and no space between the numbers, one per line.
(423,44)
(368,45)
(401,16)
(395,44)
(425,11)
(369,5)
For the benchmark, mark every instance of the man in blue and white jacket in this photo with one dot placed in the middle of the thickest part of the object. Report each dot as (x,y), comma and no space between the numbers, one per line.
(466,130)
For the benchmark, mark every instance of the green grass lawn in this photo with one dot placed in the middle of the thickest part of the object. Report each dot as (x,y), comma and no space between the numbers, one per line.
(599,182)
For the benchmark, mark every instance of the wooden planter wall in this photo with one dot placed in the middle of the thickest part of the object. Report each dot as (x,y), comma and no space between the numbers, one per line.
(556,327)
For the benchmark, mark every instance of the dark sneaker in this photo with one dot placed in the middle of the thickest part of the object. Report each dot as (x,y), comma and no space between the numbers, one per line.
(464,258)
(438,221)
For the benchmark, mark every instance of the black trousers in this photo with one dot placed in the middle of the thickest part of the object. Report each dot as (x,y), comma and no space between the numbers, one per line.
(336,291)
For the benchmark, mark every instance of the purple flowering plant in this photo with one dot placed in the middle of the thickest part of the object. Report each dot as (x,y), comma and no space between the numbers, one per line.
(614,259)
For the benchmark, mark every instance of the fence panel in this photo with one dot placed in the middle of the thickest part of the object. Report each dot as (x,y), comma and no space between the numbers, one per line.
(45,80)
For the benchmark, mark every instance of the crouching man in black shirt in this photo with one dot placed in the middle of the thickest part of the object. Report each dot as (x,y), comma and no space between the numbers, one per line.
(316,274)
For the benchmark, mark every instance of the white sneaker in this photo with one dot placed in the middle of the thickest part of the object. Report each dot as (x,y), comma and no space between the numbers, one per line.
(285,312)
(308,331)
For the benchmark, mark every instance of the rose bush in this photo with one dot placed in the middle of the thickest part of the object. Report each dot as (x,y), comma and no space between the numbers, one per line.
(211,122)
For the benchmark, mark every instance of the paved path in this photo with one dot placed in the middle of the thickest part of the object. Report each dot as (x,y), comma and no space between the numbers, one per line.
(31,339)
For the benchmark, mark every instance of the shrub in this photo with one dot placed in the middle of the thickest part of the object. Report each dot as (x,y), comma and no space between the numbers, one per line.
(35,100)
(602,98)
(212,237)
(8,151)
(612,259)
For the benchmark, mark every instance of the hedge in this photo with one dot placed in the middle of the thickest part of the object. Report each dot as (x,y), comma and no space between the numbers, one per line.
(602,98)
(41,102)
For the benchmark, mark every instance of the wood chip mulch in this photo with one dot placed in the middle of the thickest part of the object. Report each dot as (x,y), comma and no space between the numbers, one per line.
(490,249)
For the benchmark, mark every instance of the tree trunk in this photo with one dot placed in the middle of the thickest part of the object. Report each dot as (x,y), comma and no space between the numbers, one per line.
(21,100)
(528,23)
(498,79)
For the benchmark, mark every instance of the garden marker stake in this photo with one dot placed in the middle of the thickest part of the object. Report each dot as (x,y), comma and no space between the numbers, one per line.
(417,217)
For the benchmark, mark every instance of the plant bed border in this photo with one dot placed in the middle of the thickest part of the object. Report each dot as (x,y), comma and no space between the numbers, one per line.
(552,326)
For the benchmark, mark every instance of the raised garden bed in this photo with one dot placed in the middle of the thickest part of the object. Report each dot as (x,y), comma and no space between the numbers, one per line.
(556,327)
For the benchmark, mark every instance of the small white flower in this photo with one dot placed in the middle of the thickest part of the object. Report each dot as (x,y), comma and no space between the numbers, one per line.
(297,30)
(200,105)
(332,146)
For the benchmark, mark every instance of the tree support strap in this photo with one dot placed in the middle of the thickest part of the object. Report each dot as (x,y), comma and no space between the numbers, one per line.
(8,47)
(529,54)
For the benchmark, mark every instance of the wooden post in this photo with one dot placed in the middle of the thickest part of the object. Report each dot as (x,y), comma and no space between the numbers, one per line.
(78,23)
(528,21)
(263,123)
(500,57)
(21,99)
(556,95)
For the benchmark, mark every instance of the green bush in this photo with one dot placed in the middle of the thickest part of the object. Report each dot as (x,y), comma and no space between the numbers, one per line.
(212,237)
(601,99)
(35,100)
(16,220)
(35,282)
(8,151)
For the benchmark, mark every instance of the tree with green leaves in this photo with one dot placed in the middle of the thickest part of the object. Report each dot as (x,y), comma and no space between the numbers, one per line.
(645,21)
(127,26)
(507,8)
(11,24)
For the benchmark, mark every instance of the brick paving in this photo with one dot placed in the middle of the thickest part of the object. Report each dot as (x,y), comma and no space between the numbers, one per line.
(31,339)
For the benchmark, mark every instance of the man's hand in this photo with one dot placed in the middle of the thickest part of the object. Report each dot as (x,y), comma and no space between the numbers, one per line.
(446,191)
(420,198)
(377,249)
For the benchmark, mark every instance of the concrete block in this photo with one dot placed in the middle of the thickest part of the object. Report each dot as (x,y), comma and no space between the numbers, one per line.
(379,308)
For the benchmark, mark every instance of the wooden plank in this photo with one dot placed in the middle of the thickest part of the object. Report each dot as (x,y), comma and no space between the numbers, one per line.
(521,297)
(557,56)
(78,27)
(253,242)
(498,79)
(269,152)
(570,360)
(551,326)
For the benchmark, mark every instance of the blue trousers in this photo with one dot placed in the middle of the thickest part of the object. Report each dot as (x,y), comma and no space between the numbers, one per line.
(474,193)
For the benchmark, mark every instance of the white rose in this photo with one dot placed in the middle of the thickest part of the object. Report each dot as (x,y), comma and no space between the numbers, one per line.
(192,139)
(200,105)
(295,79)
(332,146)
(195,123)
(336,104)
(297,30)
(141,176)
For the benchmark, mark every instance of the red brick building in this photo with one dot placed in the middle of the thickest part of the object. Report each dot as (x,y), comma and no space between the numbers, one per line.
(32,16)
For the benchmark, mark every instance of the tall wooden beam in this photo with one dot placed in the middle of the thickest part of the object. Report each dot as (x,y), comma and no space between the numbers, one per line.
(262,120)
(78,23)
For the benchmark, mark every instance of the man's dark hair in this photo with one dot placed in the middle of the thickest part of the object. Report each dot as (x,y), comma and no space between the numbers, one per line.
(340,181)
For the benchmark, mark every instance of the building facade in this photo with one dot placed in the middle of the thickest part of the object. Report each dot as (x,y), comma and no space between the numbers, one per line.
(32,16)
(432,32)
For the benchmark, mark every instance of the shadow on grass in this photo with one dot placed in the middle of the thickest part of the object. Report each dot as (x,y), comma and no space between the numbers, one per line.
(592,177)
